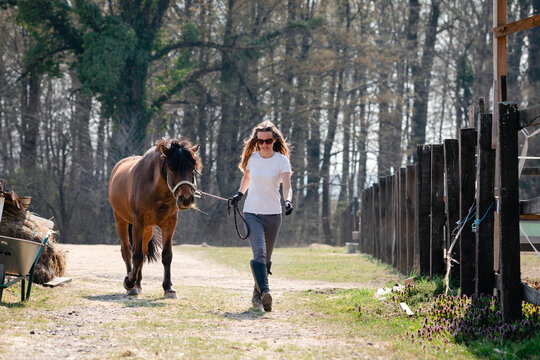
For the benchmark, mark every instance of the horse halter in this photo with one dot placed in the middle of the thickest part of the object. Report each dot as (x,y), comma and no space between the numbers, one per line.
(193,185)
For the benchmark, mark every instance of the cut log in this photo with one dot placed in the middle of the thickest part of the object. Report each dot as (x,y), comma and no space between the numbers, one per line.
(57,281)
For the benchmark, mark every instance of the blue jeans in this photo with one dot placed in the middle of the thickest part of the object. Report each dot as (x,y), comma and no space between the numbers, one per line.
(263,233)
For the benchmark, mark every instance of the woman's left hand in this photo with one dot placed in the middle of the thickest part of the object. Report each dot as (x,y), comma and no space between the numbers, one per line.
(288,207)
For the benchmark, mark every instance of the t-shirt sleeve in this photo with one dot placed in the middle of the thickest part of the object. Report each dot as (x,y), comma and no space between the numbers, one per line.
(285,165)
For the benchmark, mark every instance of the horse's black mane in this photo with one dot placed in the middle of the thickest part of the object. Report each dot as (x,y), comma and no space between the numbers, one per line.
(179,157)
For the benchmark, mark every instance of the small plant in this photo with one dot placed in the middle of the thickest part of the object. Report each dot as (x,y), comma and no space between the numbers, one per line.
(468,320)
(422,291)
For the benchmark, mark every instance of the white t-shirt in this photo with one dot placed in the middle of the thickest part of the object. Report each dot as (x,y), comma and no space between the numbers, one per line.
(264,177)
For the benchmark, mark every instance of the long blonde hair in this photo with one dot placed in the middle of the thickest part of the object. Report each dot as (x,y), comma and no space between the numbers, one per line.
(250,143)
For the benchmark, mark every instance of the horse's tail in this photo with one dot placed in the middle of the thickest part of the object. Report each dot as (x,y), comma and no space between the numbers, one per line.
(154,245)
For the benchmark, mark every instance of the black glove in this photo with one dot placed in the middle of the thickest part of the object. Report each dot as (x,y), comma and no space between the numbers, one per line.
(236,198)
(288,207)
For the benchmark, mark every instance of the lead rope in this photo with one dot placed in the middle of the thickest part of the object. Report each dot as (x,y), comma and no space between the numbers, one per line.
(235,211)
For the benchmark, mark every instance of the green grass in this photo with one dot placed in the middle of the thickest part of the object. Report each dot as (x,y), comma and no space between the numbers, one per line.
(359,314)
(323,264)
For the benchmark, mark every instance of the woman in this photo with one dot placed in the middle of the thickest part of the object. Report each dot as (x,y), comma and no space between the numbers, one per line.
(265,164)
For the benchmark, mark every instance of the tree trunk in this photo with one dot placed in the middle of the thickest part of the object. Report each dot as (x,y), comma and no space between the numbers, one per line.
(311,214)
(335,94)
(412,58)
(389,126)
(515,52)
(299,128)
(483,56)
(132,116)
(362,152)
(286,96)
(228,146)
(102,166)
(422,81)
(345,193)
(30,120)
(80,132)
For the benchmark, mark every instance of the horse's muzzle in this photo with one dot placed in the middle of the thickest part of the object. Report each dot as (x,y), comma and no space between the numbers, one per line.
(184,203)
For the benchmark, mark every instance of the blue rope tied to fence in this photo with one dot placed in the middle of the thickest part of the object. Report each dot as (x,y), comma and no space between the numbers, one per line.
(468,217)
(474,226)
(455,236)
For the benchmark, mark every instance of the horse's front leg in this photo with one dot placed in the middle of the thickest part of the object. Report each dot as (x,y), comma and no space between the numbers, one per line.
(166,259)
(141,237)
(122,227)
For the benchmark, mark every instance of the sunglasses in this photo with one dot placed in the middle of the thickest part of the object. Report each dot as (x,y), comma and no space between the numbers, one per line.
(265,141)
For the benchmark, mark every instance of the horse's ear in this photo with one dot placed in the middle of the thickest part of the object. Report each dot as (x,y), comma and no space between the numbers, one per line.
(163,149)
(195,148)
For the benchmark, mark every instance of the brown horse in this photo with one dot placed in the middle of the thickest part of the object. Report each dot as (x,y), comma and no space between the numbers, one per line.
(146,191)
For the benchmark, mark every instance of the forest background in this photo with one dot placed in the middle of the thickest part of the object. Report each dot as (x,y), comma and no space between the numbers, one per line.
(353,85)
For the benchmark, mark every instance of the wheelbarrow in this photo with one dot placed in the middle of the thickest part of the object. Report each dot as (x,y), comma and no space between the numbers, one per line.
(18,259)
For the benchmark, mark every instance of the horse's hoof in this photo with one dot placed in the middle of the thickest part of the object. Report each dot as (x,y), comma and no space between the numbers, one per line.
(126,284)
(133,292)
(170,294)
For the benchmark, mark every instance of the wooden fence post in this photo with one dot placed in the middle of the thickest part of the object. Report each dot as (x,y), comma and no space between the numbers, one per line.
(382,212)
(363,221)
(390,231)
(377,222)
(370,220)
(374,216)
(346,223)
(395,205)
(416,245)
(451,169)
(410,217)
(403,220)
(356,218)
(423,196)
(467,174)
(485,205)
(437,210)
(507,145)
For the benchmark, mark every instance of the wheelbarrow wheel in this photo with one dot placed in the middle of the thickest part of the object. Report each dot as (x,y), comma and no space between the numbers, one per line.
(1,280)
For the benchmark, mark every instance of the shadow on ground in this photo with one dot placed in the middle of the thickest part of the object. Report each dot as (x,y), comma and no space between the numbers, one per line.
(128,301)
(250,314)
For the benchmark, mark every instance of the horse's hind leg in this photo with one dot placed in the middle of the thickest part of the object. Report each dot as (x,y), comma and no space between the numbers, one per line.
(166,259)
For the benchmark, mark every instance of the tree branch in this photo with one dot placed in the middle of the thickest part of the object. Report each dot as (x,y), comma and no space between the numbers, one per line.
(194,76)
(31,67)
(186,44)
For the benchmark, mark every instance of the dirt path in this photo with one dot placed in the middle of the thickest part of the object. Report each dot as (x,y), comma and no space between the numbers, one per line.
(105,261)
(80,331)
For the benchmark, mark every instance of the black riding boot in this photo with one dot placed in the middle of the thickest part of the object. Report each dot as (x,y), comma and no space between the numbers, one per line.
(256,298)
(261,281)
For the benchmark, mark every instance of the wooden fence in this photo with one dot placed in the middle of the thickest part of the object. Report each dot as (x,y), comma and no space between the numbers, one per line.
(409,219)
